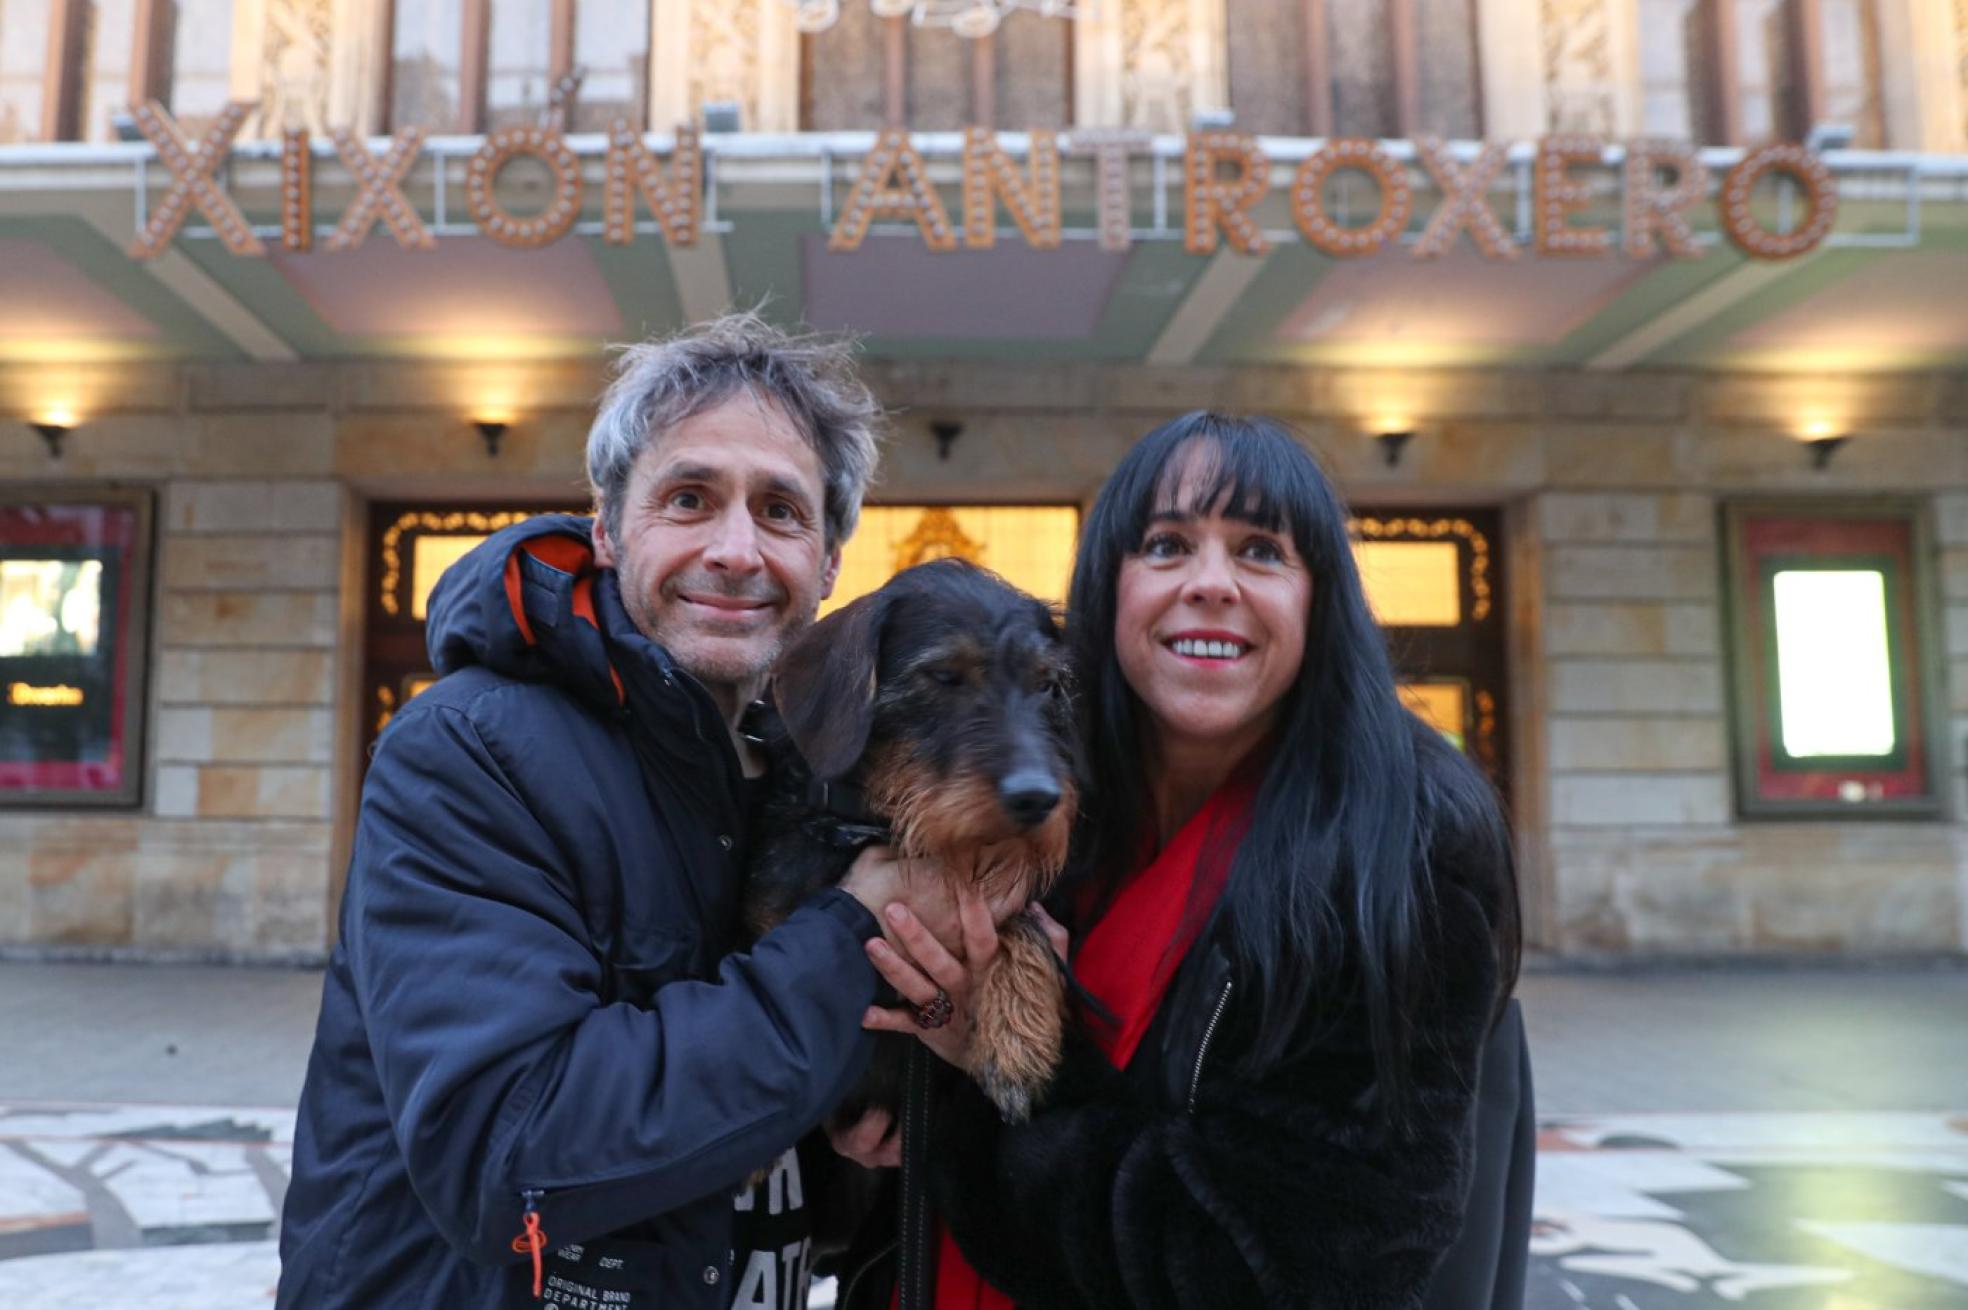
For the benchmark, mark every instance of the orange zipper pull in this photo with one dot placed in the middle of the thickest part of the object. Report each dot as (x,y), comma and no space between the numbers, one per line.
(533,1241)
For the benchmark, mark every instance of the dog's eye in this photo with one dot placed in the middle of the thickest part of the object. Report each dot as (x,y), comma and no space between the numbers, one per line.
(944,677)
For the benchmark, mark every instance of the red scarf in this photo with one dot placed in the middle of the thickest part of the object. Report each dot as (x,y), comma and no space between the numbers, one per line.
(1128,960)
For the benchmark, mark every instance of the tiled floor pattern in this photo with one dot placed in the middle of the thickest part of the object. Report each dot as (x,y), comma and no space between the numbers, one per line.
(132,1207)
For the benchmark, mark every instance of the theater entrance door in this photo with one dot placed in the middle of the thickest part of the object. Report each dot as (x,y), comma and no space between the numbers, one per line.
(1434,578)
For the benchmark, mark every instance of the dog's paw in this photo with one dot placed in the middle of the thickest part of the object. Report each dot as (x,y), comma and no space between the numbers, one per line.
(1012,1097)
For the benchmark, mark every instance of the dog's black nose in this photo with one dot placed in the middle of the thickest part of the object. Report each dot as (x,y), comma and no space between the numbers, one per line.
(1028,796)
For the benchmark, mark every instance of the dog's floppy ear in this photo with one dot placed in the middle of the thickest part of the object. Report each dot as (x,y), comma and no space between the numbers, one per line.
(824,685)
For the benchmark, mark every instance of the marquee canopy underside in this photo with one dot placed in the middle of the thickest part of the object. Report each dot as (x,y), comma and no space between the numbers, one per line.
(1889,292)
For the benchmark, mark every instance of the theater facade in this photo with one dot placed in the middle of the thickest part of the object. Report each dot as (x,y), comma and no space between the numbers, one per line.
(1635,330)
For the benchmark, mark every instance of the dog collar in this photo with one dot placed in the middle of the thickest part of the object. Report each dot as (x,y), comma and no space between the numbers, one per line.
(842,814)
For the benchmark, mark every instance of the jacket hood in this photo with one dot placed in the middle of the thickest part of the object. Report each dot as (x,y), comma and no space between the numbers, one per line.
(523,603)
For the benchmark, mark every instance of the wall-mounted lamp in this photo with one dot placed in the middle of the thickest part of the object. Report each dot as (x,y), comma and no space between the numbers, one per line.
(491,429)
(946,433)
(1823,448)
(52,431)
(1392,444)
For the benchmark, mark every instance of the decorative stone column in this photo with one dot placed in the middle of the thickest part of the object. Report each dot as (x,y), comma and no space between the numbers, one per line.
(1151,64)
(1590,66)
(314,64)
(741,51)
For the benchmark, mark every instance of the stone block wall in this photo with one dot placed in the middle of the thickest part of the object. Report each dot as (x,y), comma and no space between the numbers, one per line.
(229,851)
(1611,485)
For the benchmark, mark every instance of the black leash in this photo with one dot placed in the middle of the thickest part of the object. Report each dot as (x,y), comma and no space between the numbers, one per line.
(915,1275)
(843,818)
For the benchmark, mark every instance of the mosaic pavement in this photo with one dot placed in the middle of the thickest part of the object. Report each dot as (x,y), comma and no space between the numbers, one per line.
(131,1207)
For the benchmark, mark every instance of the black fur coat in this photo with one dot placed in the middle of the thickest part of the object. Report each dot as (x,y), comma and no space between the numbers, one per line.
(1247,1192)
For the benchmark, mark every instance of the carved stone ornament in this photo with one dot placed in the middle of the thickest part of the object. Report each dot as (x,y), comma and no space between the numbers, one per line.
(937,535)
(1580,85)
(296,43)
(1157,79)
(724,54)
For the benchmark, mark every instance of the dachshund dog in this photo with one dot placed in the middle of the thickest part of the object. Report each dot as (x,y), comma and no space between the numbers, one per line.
(932,714)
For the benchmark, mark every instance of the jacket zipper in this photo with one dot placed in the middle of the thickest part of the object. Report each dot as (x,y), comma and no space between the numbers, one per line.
(846,1297)
(532,1240)
(1202,1050)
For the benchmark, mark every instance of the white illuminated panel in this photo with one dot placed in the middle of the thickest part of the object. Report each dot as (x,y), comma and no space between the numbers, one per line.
(50,607)
(1834,670)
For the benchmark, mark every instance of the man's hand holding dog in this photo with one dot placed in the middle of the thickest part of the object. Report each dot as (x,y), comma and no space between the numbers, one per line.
(880,878)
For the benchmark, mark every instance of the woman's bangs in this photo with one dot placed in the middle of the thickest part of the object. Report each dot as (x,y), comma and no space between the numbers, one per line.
(1238,472)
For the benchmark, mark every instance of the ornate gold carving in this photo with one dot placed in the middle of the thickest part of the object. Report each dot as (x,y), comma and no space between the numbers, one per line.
(385,706)
(1580,85)
(419,520)
(937,536)
(1439,530)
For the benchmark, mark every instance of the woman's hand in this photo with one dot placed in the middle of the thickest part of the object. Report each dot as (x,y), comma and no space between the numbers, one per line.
(923,966)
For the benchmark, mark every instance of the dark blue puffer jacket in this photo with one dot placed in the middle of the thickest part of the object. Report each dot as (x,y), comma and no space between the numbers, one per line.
(532,991)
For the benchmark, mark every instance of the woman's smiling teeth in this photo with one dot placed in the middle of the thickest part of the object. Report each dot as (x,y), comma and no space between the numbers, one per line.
(1209,650)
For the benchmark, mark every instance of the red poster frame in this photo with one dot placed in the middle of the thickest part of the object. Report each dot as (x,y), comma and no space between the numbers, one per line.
(119,524)
(1892,538)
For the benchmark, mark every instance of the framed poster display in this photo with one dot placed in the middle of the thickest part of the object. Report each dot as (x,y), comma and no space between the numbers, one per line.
(1833,660)
(74,635)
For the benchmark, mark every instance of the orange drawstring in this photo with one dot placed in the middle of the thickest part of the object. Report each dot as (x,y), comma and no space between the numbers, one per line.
(533,1241)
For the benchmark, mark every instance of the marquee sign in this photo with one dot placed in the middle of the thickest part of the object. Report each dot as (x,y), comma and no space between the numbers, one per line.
(1225,175)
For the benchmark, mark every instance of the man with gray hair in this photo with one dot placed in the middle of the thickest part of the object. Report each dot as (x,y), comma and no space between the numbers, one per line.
(541,1072)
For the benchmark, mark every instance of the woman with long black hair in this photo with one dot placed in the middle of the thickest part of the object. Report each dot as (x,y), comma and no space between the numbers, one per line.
(1292,908)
